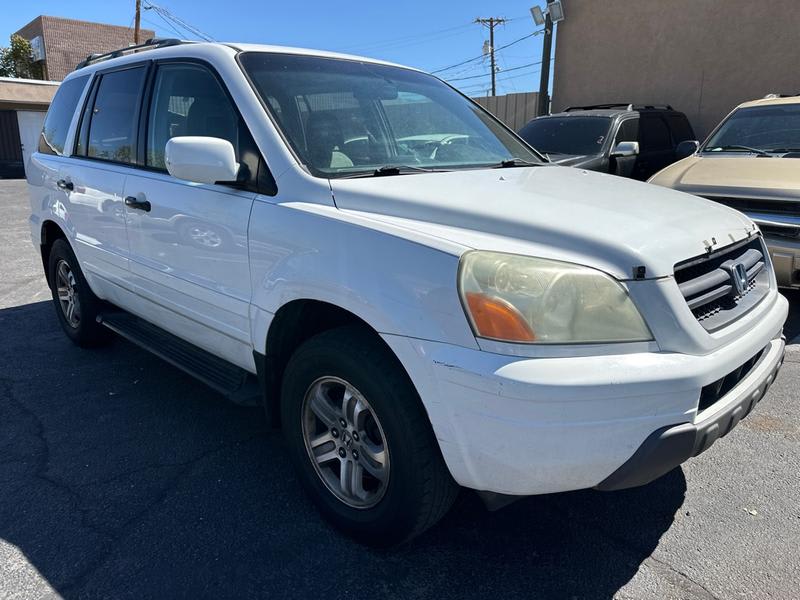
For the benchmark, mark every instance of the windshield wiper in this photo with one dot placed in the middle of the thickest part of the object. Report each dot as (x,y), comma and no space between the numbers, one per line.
(516,162)
(385,170)
(783,150)
(739,147)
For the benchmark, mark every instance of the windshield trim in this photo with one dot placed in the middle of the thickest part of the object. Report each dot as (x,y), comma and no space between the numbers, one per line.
(313,171)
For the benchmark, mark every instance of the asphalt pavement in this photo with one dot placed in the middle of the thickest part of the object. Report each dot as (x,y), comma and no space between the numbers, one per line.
(122,477)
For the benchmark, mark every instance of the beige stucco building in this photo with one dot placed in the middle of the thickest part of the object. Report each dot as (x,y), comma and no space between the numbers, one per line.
(701,56)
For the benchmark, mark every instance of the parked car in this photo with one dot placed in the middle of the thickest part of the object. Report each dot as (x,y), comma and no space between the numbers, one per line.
(732,168)
(418,298)
(622,139)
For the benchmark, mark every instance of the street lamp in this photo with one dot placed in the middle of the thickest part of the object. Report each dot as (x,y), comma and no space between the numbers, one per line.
(552,13)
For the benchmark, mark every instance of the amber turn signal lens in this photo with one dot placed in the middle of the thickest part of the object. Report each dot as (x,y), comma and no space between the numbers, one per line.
(499,319)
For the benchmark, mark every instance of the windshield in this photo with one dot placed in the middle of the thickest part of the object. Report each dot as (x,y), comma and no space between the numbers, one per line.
(567,135)
(759,129)
(345,117)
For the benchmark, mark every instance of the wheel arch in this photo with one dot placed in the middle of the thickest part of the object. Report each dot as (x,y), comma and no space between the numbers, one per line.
(50,232)
(294,323)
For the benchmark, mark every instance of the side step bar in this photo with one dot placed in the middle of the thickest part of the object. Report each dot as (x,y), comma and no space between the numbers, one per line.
(233,382)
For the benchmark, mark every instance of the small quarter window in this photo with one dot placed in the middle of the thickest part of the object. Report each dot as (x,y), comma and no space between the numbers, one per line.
(59,117)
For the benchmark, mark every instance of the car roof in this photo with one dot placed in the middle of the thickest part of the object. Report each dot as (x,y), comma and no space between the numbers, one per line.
(771,100)
(180,48)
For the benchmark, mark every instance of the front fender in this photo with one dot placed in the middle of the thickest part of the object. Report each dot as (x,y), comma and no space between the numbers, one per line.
(398,286)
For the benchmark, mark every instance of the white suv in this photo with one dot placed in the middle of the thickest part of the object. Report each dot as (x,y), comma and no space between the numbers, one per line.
(417,297)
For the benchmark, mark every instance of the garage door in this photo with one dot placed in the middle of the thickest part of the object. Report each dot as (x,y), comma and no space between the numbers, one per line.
(10,148)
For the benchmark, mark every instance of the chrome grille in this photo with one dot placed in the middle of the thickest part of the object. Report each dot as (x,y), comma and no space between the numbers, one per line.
(722,286)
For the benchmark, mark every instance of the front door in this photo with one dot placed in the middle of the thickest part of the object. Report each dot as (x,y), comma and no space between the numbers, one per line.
(188,241)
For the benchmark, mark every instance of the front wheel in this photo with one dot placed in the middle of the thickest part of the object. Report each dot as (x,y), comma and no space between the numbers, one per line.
(361,440)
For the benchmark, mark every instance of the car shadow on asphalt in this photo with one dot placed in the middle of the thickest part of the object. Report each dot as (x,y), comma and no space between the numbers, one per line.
(121,476)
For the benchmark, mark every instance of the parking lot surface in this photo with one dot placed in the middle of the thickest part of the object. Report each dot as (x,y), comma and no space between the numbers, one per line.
(122,477)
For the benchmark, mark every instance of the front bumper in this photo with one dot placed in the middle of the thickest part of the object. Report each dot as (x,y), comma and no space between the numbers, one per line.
(673,445)
(785,254)
(523,426)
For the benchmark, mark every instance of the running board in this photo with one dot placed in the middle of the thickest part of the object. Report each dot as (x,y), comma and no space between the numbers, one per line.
(233,382)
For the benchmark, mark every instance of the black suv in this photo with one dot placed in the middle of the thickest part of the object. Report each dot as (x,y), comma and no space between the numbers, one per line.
(622,139)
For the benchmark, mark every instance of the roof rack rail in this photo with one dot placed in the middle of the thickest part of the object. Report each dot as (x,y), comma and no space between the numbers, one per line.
(772,96)
(150,44)
(624,105)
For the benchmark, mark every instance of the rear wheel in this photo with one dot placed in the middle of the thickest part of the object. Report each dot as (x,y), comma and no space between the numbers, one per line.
(361,440)
(76,306)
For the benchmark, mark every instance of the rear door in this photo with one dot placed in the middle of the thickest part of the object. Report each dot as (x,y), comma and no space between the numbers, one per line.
(105,152)
(189,253)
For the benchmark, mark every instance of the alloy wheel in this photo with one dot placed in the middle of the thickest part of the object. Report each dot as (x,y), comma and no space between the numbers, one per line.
(345,442)
(68,299)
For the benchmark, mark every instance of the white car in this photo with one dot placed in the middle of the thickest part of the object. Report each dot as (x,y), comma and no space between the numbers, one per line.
(417,297)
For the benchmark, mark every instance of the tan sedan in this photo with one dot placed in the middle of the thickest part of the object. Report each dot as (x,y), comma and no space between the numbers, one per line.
(751,162)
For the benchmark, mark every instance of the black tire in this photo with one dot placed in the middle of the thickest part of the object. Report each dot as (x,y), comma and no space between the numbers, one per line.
(420,489)
(87,332)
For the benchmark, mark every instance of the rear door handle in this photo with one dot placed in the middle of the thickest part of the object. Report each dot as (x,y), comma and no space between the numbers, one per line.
(63,184)
(134,202)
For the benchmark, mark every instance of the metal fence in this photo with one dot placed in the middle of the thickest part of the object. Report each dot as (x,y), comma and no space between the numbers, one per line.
(513,109)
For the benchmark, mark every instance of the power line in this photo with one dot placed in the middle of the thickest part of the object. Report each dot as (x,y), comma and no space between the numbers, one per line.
(485,74)
(469,60)
(404,39)
(172,20)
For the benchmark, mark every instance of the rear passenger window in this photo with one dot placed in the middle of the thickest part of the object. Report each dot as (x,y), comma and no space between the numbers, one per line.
(112,129)
(59,117)
(654,134)
(681,130)
(188,100)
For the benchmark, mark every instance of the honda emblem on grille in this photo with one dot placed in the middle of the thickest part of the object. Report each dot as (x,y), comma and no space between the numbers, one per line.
(739,278)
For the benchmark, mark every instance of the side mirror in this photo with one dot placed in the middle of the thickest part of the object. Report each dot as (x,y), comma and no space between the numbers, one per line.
(686,148)
(201,159)
(625,149)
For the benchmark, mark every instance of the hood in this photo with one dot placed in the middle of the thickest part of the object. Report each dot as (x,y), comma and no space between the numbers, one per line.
(604,221)
(734,176)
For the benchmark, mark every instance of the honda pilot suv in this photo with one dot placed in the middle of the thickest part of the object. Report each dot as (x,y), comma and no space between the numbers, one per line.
(417,298)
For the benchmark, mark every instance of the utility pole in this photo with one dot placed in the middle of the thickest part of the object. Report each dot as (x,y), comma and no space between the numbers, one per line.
(547,48)
(491,23)
(137,21)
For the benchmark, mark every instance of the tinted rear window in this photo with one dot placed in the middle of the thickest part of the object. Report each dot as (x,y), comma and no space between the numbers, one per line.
(59,117)
(112,130)
(654,134)
(681,130)
(567,135)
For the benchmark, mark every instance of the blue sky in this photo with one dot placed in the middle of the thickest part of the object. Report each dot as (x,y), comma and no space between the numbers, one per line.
(421,33)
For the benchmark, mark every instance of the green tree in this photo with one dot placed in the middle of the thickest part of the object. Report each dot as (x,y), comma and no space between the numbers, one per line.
(17,60)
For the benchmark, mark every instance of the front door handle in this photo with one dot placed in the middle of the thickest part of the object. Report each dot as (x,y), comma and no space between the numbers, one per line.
(63,184)
(134,202)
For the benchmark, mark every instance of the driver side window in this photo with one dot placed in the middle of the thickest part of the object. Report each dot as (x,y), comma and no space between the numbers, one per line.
(628,131)
(188,100)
